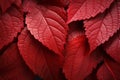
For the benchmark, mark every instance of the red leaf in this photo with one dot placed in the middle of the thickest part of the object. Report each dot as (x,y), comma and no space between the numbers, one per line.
(109,71)
(12,67)
(41,61)
(5,4)
(84,9)
(113,47)
(10,24)
(103,26)
(78,64)
(47,24)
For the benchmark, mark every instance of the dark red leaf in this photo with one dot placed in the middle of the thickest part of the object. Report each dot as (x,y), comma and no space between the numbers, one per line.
(103,26)
(75,29)
(18,2)
(61,3)
(84,9)
(113,47)
(47,24)
(12,67)
(104,74)
(11,23)
(5,4)
(109,71)
(78,64)
(41,61)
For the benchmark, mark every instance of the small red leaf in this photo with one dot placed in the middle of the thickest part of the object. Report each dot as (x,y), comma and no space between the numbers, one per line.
(41,61)
(113,47)
(12,67)
(84,9)
(47,24)
(109,71)
(78,64)
(11,23)
(103,26)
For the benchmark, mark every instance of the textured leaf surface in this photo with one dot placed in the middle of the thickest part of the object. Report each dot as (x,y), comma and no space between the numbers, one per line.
(78,64)
(109,71)
(12,67)
(5,4)
(102,27)
(84,9)
(40,60)
(47,24)
(10,24)
(113,47)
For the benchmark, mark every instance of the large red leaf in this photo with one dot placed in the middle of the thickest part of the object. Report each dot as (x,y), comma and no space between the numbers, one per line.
(11,23)
(41,61)
(84,9)
(5,4)
(47,24)
(103,26)
(78,64)
(113,47)
(12,67)
(109,71)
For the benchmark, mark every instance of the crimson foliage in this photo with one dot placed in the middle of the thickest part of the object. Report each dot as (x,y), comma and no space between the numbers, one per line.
(60,39)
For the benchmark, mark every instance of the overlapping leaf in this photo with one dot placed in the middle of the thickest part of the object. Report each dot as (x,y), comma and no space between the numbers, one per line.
(12,67)
(11,23)
(47,30)
(85,9)
(41,61)
(47,24)
(103,26)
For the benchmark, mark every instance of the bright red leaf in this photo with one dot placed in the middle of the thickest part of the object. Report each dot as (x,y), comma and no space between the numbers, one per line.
(41,61)
(84,9)
(5,4)
(103,26)
(47,24)
(113,47)
(109,71)
(11,23)
(78,64)
(12,67)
